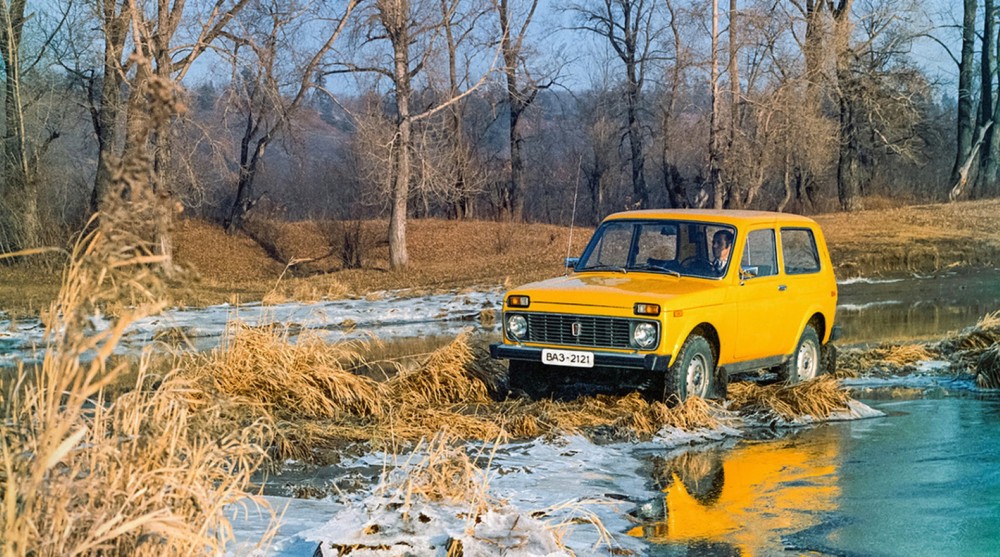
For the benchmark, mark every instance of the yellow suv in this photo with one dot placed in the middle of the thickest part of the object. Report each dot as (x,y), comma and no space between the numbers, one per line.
(676,301)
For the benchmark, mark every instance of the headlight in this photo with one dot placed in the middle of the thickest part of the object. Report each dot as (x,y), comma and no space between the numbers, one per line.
(644,335)
(517,326)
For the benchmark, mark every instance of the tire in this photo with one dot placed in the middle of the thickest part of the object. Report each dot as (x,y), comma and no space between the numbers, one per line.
(530,378)
(692,373)
(829,358)
(806,362)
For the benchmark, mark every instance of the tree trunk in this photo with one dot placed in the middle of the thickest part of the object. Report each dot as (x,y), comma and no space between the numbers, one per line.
(398,256)
(736,196)
(18,196)
(106,111)
(518,101)
(631,28)
(848,171)
(966,74)
(714,174)
(396,20)
(847,162)
(987,179)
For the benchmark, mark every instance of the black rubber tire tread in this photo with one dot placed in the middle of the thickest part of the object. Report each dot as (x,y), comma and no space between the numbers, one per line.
(828,359)
(675,384)
(531,378)
(789,372)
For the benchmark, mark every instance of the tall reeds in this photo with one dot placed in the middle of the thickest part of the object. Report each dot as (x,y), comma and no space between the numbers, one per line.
(140,473)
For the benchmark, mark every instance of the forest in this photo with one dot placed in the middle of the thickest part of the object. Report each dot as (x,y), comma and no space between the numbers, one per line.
(559,111)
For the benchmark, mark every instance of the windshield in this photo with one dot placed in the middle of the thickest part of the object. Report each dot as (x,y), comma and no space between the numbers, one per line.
(679,248)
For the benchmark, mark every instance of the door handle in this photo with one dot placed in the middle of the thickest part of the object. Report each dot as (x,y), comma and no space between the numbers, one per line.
(782,288)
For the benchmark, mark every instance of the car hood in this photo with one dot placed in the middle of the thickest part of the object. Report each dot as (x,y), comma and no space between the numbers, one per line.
(622,291)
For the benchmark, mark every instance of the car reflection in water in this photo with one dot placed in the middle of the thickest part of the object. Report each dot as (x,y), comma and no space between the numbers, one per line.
(744,500)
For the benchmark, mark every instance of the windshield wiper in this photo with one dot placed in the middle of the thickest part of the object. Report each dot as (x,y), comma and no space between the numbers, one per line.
(623,270)
(651,267)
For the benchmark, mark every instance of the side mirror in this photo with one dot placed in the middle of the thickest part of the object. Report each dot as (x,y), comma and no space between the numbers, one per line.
(748,272)
(571,262)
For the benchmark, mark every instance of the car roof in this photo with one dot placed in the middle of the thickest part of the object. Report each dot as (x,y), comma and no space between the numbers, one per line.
(724,216)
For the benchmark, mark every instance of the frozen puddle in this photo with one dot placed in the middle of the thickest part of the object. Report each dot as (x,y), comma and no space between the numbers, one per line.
(383,315)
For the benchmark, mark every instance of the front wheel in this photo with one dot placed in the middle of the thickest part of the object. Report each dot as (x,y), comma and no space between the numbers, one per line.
(692,372)
(805,363)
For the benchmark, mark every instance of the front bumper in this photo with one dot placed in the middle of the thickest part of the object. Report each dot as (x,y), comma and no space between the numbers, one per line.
(649,362)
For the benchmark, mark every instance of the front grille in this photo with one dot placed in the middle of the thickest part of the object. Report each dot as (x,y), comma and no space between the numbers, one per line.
(595,332)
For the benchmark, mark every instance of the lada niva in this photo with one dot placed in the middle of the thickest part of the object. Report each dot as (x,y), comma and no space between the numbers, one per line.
(683,299)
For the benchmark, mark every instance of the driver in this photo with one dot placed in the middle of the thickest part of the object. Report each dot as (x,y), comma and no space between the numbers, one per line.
(722,245)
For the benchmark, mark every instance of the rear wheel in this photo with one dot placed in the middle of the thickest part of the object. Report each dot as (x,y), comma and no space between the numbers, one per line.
(531,378)
(805,363)
(692,372)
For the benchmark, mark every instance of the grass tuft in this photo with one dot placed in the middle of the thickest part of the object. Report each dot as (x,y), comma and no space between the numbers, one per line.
(818,398)
(442,380)
(988,368)
(305,378)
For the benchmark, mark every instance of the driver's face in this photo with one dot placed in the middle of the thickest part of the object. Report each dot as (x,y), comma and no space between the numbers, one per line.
(719,248)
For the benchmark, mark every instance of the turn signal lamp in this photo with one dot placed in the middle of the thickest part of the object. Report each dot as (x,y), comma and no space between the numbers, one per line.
(647,309)
(518,301)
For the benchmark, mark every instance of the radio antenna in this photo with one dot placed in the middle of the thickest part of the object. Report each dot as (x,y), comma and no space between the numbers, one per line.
(572,219)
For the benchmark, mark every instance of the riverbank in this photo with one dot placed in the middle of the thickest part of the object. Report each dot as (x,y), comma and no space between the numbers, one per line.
(305,260)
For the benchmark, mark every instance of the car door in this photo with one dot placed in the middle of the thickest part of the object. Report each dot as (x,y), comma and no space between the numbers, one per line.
(801,265)
(763,323)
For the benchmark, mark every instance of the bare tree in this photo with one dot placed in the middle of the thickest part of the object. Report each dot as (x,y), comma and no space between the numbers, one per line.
(20,224)
(265,101)
(714,149)
(986,180)
(673,181)
(461,183)
(403,24)
(151,32)
(631,28)
(519,97)
(966,78)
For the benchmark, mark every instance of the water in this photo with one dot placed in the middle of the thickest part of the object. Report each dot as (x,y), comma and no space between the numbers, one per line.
(915,307)
(925,480)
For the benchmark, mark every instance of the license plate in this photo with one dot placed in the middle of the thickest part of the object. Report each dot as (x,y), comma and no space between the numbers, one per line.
(571,358)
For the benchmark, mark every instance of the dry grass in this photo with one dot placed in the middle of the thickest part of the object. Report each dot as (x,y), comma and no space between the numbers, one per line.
(442,381)
(919,238)
(317,398)
(988,368)
(305,378)
(630,416)
(967,347)
(134,474)
(148,471)
(905,355)
(442,470)
(989,321)
(818,398)
(887,359)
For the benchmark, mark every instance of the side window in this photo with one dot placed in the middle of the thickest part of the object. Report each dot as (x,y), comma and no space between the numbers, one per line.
(798,247)
(760,258)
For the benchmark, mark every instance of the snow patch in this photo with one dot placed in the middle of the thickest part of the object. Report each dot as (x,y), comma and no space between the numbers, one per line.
(869,305)
(866,280)
(383,528)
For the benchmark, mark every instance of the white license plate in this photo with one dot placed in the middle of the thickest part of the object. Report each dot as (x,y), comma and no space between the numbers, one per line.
(572,358)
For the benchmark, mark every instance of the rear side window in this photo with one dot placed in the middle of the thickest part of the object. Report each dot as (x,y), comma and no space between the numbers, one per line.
(759,258)
(798,247)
